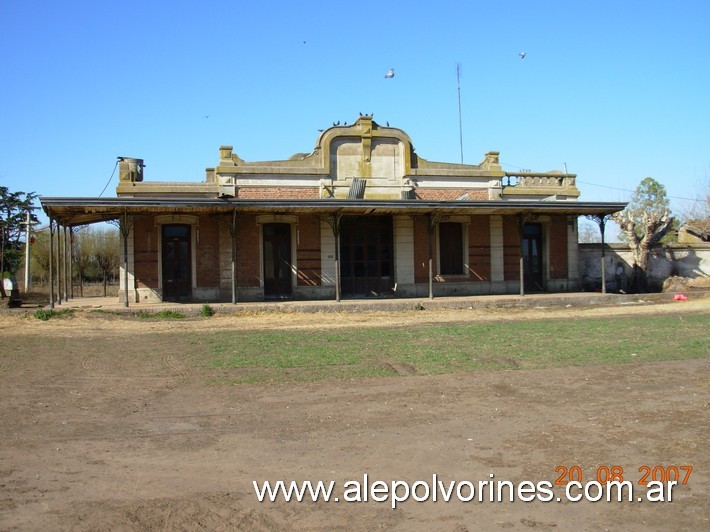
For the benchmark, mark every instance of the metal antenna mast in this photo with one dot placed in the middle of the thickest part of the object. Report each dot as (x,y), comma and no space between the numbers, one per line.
(458,81)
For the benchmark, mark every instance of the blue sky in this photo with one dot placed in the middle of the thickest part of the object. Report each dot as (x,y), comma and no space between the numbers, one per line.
(617,90)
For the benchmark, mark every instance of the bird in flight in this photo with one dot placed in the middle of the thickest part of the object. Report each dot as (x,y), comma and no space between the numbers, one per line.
(390,73)
(522,55)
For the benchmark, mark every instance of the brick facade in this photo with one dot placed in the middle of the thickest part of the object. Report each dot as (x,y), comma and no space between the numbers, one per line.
(558,247)
(511,249)
(278,192)
(146,241)
(206,246)
(248,251)
(479,248)
(451,194)
(207,249)
(308,251)
(421,250)
(479,252)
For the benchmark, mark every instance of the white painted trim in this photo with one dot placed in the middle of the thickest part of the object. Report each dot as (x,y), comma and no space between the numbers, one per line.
(327,255)
(403,235)
(131,265)
(497,249)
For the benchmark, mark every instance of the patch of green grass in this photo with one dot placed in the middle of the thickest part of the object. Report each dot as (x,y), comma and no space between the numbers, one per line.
(46,314)
(207,311)
(295,355)
(163,314)
(106,312)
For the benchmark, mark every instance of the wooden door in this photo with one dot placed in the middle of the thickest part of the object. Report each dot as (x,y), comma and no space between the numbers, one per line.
(277,260)
(532,258)
(366,256)
(177,262)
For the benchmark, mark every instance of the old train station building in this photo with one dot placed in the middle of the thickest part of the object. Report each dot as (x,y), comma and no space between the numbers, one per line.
(362,215)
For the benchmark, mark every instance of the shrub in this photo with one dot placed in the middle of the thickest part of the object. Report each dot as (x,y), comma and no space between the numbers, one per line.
(45,314)
(42,314)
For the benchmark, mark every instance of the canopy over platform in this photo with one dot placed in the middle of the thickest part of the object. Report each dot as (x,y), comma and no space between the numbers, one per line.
(72,212)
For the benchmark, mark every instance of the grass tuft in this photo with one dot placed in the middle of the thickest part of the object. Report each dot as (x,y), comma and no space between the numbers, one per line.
(163,314)
(46,314)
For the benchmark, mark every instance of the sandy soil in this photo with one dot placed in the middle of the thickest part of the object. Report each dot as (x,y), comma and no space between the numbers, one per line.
(105,426)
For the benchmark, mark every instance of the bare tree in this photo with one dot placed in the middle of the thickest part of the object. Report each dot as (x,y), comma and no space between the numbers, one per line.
(644,222)
(588,233)
(700,208)
(94,255)
(105,254)
(82,254)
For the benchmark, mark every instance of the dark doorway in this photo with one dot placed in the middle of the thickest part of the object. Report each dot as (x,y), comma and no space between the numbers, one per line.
(277,261)
(451,248)
(366,256)
(177,262)
(532,258)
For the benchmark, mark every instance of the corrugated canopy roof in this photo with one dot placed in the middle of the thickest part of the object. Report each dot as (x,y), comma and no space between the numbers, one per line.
(81,211)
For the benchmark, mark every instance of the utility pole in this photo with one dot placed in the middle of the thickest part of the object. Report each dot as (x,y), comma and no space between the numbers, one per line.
(458,82)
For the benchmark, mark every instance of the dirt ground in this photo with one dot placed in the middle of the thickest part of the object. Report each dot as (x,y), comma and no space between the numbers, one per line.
(105,426)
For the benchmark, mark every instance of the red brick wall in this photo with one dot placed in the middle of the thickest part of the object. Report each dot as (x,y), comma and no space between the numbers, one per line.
(444,194)
(558,247)
(278,193)
(308,251)
(146,238)
(248,245)
(479,251)
(511,249)
(207,252)
(479,248)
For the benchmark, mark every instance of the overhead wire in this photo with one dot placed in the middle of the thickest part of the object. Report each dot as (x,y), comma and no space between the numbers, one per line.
(607,186)
(109,179)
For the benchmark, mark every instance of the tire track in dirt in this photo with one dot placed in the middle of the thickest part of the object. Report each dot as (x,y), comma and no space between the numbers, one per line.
(176,366)
(95,366)
(8,361)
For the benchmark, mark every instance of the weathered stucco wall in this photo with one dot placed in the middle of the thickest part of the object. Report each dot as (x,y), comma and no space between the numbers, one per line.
(684,260)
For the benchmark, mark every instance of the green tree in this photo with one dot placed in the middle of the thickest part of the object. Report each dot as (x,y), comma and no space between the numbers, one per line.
(644,222)
(14,207)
